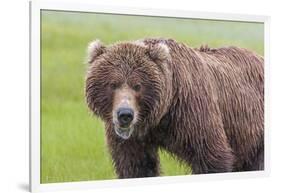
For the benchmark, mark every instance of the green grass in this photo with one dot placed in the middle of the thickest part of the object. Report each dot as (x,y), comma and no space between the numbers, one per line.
(73,140)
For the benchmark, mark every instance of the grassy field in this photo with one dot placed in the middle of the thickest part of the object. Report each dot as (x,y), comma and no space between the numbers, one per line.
(73,144)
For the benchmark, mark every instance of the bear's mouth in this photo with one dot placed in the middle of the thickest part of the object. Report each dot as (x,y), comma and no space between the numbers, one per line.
(124,133)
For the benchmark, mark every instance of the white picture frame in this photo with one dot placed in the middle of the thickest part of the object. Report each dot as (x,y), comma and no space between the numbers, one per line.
(35,9)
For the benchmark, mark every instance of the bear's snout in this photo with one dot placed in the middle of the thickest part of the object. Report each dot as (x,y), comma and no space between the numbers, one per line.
(125,116)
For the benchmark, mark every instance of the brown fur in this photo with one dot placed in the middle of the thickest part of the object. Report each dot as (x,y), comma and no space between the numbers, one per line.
(205,105)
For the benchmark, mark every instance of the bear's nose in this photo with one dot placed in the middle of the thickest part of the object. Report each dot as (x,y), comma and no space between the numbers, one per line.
(125,116)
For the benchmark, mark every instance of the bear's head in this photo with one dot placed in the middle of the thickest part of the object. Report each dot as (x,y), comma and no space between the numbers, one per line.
(129,85)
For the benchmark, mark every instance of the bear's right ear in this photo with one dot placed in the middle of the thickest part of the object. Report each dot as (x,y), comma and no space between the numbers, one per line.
(95,49)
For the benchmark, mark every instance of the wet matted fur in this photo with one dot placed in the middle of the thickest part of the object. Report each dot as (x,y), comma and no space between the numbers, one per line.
(205,106)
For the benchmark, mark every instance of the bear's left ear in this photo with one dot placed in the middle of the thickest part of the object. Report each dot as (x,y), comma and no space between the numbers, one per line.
(159,52)
(95,49)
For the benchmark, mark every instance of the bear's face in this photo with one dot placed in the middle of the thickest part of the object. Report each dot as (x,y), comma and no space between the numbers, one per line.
(127,85)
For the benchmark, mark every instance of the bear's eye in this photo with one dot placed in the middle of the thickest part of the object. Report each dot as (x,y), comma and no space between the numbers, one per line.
(113,86)
(137,87)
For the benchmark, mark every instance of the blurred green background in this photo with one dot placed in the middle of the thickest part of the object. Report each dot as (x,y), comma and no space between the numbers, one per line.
(73,141)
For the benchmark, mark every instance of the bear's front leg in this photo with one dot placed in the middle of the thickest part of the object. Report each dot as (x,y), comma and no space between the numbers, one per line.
(212,157)
(133,158)
(209,148)
(211,152)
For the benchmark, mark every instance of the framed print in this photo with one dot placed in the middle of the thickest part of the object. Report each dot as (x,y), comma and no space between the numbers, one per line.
(140,96)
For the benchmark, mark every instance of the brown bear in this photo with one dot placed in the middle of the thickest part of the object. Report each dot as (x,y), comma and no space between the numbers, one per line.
(204,106)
